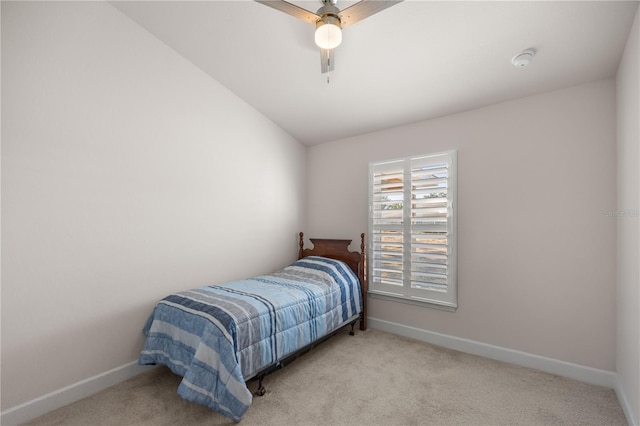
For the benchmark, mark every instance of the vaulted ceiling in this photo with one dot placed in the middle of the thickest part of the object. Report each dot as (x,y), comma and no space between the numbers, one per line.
(413,61)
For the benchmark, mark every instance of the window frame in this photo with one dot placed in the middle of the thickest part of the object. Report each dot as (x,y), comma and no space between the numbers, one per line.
(446,300)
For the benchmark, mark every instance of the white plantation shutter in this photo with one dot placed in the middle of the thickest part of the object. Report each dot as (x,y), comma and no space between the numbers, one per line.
(387,233)
(412,229)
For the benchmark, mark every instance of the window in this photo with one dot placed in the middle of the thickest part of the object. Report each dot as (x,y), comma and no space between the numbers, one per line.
(412,229)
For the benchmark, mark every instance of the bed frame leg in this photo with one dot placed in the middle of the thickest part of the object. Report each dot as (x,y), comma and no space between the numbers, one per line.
(261,390)
(352,333)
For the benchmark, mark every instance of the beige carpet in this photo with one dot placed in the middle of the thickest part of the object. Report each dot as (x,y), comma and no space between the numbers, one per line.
(373,378)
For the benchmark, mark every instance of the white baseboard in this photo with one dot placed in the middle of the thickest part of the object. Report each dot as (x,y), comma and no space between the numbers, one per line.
(524,359)
(549,365)
(77,391)
(626,407)
(70,394)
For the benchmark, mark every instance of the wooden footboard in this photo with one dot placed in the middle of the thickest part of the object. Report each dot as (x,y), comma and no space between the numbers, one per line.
(339,250)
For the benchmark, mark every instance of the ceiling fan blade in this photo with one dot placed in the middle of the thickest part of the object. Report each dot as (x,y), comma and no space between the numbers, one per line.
(363,9)
(326,60)
(291,9)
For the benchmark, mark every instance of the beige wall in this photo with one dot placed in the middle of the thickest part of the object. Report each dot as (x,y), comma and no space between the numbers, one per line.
(127,173)
(536,251)
(628,230)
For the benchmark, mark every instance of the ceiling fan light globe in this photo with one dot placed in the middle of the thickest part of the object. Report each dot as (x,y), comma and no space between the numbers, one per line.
(328,33)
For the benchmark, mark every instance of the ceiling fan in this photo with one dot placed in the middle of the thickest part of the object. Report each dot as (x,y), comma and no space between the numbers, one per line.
(329,21)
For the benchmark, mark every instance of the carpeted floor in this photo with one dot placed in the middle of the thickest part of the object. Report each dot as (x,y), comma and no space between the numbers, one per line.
(373,378)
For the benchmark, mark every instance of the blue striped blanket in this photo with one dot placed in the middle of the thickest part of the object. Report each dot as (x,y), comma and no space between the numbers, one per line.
(217,337)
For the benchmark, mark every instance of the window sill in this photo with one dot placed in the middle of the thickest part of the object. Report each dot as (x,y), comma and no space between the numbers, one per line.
(443,306)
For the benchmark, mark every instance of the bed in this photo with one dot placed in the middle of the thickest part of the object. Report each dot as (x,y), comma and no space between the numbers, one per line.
(219,337)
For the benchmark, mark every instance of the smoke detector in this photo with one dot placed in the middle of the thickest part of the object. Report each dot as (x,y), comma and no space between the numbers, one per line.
(523,58)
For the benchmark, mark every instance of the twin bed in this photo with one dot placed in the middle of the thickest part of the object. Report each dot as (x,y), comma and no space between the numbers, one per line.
(218,337)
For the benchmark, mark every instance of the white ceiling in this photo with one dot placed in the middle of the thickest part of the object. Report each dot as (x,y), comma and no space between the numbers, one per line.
(414,61)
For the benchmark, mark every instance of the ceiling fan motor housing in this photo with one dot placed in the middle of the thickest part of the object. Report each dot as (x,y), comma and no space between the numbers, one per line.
(329,9)
(328,34)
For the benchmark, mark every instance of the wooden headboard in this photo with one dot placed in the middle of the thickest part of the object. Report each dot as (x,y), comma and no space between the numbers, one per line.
(339,250)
